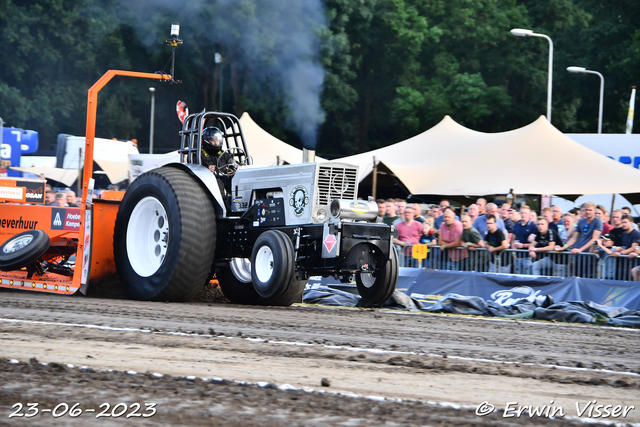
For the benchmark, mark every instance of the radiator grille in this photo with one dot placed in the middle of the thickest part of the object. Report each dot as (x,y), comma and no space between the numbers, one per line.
(336,182)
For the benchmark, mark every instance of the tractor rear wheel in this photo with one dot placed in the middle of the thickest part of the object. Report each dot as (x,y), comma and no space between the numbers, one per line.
(165,236)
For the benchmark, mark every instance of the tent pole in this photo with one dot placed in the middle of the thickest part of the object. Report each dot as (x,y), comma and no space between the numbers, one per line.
(613,202)
(79,181)
(375,178)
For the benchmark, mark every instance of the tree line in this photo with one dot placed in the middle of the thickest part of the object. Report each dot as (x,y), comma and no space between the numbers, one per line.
(385,70)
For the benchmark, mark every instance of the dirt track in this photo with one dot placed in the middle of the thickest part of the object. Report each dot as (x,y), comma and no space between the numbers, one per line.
(406,368)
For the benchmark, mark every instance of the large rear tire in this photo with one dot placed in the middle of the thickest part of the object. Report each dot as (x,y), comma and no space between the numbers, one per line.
(377,288)
(22,249)
(165,236)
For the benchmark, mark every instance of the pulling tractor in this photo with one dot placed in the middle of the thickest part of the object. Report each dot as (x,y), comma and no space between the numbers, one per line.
(260,231)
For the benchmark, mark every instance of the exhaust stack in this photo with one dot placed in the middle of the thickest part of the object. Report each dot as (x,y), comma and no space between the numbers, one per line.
(308,156)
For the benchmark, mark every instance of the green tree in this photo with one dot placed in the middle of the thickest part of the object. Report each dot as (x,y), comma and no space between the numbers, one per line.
(609,44)
(380,41)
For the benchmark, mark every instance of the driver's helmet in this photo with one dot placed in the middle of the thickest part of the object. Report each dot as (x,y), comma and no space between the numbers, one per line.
(211,139)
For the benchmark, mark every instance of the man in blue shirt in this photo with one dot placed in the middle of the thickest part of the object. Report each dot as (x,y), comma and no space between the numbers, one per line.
(480,223)
(587,232)
(524,232)
(626,244)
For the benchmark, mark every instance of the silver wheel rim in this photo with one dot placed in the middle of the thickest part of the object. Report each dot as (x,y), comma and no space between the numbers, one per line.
(241,269)
(367,280)
(264,264)
(147,236)
(17,244)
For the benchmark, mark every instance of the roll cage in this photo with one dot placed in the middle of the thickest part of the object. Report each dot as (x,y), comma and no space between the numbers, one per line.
(229,125)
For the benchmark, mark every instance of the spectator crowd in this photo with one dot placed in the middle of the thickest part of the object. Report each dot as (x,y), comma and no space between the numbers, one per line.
(475,238)
(68,198)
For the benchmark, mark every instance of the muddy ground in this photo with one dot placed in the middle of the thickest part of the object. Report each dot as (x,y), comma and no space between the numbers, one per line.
(214,363)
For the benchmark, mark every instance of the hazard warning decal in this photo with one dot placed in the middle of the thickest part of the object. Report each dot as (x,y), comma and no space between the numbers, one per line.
(329,242)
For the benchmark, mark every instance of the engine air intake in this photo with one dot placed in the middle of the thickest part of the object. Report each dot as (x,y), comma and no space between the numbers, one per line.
(336,182)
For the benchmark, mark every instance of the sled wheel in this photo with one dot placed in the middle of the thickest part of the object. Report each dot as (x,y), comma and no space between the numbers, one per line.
(22,249)
(165,236)
(377,288)
(236,284)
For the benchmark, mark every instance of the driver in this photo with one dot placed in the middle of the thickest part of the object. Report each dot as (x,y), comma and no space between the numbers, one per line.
(212,148)
(212,154)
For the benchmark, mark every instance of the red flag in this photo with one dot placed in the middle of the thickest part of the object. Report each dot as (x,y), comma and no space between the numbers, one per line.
(182,110)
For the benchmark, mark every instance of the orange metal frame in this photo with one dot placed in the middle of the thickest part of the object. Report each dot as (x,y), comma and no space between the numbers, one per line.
(99,247)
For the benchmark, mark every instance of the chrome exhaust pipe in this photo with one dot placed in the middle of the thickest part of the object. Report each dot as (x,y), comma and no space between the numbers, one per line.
(308,156)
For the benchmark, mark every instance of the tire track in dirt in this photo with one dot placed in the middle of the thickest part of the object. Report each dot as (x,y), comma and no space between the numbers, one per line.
(419,357)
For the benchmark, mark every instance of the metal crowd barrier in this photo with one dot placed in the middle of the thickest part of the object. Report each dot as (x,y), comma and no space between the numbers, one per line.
(518,261)
(561,264)
(458,259)
(618,267)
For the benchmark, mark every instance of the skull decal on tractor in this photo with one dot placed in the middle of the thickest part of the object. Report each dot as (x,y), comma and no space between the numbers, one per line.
(299,200)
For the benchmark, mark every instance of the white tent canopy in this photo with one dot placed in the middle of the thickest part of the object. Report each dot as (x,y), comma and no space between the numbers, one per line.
(65,176)
(265,148)
(111,155)
(450,159)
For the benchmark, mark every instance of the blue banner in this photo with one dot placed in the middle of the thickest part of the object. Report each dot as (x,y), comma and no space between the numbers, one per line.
(15,142)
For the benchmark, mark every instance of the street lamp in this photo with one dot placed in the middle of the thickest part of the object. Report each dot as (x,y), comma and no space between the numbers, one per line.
(218,59)
(584,70)
(153,110)
(528,33)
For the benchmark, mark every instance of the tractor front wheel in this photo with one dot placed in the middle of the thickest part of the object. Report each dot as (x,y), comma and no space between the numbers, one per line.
(269,278)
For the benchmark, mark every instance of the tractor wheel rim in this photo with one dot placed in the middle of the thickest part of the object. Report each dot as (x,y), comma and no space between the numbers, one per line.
(241,269)
(147,236)
(367,280)
(17,244)
(264,264)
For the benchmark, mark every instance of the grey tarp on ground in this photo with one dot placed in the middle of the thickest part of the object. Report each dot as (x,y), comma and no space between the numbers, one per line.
(326,295)
(542,307)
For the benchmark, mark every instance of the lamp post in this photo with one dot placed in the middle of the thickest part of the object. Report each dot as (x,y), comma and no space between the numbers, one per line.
(528,33)
(584,70)
(218,60)
(151,124)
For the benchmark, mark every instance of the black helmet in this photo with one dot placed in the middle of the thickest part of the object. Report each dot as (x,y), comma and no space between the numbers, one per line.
(211,138)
